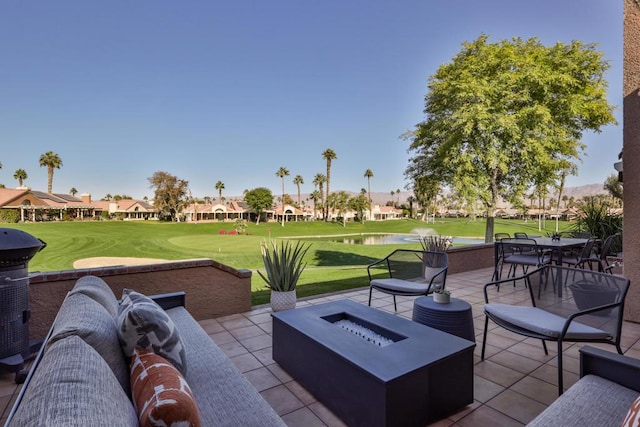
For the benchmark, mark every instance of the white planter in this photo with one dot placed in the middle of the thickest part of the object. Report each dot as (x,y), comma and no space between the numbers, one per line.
(283,300)
(441,298)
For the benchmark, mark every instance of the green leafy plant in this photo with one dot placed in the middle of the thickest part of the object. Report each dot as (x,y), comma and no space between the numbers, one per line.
(596,217)
(283,264)
(442,291)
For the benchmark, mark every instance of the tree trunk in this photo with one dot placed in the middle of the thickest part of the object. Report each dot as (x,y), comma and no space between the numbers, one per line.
(50,179)
(488,235)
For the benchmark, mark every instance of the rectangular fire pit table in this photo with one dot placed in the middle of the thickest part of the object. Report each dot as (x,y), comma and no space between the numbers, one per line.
(422,375)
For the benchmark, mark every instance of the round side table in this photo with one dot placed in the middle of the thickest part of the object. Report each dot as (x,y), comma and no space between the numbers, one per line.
(454,318)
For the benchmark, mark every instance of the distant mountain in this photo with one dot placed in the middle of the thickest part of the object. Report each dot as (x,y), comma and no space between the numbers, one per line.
(584,190)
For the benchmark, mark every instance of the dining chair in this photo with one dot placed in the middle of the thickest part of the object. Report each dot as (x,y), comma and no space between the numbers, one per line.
(590,311)
(583,258)
(519,252)
(606,249)
(520,235)
(499,236)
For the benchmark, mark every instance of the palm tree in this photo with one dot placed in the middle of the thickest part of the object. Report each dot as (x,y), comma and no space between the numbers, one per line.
(315,196)
(328,155)
(392,200)
(52,161)
(369,174)
(319,181)
(282,172)
(219,187)
(73,191)
(20,175)
(398,194)
(298,180)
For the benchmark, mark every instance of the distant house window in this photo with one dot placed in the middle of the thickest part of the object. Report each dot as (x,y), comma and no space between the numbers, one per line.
(26,203)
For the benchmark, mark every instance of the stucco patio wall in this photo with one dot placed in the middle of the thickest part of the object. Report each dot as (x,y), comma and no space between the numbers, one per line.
(631,147)
(212,289)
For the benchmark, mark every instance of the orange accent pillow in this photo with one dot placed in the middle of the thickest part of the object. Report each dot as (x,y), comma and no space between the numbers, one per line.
(160,393)
(633,416)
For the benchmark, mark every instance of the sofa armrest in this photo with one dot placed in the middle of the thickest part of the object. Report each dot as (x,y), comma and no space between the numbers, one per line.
(170,300)
(615,367)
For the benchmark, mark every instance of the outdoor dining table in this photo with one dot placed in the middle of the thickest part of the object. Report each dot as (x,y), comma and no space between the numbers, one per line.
(547,243)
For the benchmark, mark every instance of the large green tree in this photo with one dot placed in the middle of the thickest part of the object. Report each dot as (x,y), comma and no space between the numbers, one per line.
(328,155)
(259,199)
(339,201)
(501,117)
(52,161)
(171,194)
(360,203)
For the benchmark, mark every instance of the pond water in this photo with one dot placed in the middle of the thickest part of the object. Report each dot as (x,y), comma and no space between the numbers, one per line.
(388,239)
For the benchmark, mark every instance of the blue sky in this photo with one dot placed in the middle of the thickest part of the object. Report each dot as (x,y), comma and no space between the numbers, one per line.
(231,91)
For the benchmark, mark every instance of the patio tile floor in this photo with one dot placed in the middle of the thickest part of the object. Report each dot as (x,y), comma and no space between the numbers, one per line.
(514,383)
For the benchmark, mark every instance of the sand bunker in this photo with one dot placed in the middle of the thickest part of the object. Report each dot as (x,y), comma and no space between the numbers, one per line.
(114,261)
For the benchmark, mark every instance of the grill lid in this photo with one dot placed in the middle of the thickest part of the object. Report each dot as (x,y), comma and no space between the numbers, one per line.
(18,247)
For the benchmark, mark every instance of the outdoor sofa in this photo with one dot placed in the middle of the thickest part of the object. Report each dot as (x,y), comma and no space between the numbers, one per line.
(81,376)
(608,387)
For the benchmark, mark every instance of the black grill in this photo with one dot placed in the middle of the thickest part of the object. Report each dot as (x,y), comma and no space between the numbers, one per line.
(16,250)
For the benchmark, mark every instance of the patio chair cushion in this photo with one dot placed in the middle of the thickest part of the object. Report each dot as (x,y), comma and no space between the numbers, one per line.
(73,386)
(542,322)
(86,318)
(143,323)
(400,285)
(160,393)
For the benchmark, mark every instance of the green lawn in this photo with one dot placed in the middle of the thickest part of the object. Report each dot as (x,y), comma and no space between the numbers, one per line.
(331,266)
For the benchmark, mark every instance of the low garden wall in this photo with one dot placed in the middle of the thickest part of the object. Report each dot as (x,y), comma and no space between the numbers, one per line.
(472,257)
(212,289)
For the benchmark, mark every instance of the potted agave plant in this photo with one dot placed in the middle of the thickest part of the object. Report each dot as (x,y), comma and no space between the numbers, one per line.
(283,266)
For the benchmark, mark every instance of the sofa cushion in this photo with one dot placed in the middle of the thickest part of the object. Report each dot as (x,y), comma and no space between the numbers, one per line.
(160,393)
(82,316)
(73,386)
(592,401)
(225,397)
(633,416)
(143,323)
(97,289)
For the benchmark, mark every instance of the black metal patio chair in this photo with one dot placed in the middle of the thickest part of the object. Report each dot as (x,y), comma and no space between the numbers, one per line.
(581,306)
(408,273)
